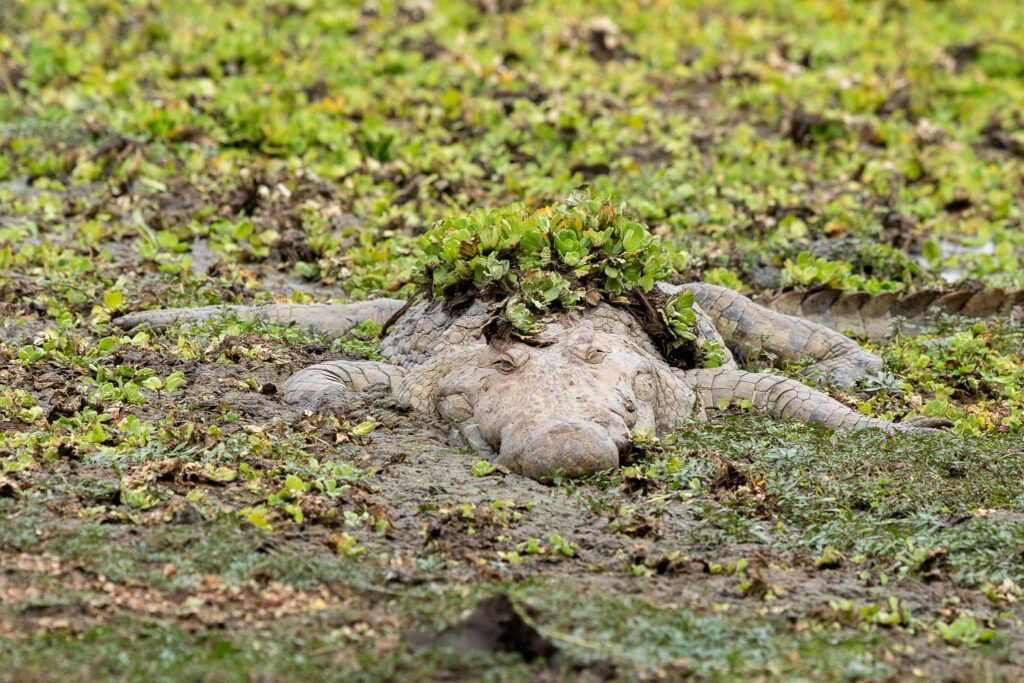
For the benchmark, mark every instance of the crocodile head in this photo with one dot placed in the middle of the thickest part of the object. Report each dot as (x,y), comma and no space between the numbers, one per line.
(567,406)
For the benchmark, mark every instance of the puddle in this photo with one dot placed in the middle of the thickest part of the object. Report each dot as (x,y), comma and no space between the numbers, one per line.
(953,273)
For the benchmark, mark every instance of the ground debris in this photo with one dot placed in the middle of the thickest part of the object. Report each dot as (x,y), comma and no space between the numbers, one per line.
(8,488)
(495,625)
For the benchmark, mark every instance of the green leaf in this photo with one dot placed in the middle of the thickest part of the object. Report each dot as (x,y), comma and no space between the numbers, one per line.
(30,354)
(108,344)
(174,380)
(364,428)
(166,239)
(517,313)
(242,231)
(540,289)
(932,253)
(96,434)
(113,300)
(566,242)
(132,394)
(634,238)
(257,517)
(152,383)
(481,468)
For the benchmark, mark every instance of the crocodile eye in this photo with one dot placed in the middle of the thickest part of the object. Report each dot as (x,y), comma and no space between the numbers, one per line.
(505,365)
(506,361)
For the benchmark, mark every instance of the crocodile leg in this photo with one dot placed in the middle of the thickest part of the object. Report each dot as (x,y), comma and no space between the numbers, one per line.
(752,328)
(782,397)
(334,383)
(336,319)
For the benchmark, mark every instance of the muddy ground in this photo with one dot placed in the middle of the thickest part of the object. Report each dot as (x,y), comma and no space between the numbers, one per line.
(165,517)
(636,585)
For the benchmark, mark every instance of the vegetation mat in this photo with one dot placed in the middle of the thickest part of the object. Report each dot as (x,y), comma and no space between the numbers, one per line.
(164,516)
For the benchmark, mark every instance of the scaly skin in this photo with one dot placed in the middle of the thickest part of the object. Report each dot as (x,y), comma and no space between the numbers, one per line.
(568,403)
(336,319)
(872,315)
(782,397)
(753,329)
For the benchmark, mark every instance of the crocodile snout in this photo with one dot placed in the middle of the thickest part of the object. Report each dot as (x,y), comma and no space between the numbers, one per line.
(575,448)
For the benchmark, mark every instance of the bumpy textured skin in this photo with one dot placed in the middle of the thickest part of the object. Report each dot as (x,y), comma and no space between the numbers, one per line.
(568,403)
(873,315)
(337,319)
(752,330)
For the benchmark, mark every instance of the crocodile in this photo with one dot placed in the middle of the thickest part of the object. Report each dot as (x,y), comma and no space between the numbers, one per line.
(873,315)
(567,403)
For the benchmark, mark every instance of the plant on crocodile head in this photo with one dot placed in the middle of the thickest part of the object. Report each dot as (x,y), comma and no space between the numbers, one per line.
(534,263)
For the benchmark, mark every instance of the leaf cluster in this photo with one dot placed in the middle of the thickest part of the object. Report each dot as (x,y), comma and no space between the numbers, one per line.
(528,264)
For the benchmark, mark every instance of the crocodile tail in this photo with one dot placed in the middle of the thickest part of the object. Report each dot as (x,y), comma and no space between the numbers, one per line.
(871,314)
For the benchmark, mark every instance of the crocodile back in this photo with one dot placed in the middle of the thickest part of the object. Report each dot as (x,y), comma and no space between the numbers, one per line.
(427,330)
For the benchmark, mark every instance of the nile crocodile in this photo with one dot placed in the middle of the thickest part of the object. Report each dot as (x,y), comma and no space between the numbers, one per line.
(569,401)
(873,315)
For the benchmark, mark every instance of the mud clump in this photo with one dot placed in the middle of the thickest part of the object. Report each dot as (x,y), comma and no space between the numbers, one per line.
(494,626)
(290,248)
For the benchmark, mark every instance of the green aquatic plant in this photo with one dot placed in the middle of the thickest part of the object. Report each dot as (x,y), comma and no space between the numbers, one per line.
(533,263)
